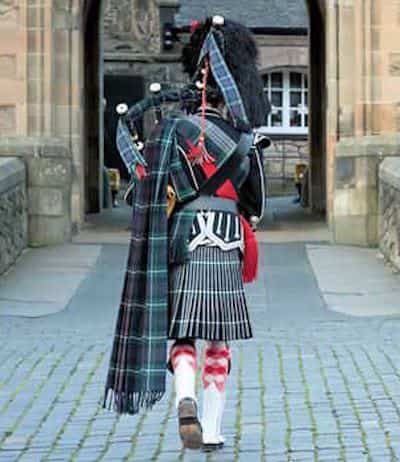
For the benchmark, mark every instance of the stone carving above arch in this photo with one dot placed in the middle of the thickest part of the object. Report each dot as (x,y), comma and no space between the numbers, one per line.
(132,25)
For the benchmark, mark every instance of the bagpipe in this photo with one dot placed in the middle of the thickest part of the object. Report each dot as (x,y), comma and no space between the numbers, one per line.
(251,195)
(187,97)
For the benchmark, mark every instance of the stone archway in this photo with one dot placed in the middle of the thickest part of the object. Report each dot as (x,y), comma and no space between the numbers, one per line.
(92,16)
(348,104)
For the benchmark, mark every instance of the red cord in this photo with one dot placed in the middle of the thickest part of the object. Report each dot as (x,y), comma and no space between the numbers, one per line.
(198,154)
(201,142)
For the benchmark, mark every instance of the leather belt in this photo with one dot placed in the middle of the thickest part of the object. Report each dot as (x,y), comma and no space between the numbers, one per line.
(211,203)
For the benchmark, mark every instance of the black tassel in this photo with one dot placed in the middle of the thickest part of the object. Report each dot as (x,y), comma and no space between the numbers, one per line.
(131,403)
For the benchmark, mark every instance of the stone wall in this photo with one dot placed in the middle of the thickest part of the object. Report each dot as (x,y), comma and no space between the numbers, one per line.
(280,163)
(48,184)
(13,211)
(389,203)
(282,51)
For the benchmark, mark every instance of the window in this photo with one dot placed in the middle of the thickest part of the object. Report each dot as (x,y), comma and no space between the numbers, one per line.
(287,91)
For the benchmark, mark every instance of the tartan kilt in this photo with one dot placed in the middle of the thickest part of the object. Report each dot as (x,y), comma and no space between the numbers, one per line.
(207,298)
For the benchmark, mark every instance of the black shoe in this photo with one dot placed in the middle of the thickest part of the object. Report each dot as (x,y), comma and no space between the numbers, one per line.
(212,447)
(189,425)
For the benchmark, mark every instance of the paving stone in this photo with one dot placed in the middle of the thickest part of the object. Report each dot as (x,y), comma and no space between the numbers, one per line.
(309,383)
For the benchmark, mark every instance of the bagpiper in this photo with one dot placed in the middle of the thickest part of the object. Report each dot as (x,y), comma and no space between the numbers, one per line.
(199,192)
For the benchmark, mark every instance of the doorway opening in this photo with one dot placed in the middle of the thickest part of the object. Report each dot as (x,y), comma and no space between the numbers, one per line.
(295,82)
(296,88)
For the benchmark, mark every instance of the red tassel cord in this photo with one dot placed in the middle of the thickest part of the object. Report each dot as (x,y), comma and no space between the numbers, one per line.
(194,152)
(250,257)
(199,154)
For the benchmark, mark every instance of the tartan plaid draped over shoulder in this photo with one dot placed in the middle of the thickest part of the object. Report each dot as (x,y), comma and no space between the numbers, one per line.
(136,376)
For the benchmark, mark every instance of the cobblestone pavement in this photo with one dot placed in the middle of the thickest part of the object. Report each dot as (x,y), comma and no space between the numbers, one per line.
(312,386)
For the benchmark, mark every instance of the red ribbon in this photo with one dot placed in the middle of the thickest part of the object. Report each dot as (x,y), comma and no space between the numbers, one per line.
(194,25)
(140,171)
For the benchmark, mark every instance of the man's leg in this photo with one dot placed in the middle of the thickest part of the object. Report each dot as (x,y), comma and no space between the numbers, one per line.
(297,199)
(184,363)
(215,373)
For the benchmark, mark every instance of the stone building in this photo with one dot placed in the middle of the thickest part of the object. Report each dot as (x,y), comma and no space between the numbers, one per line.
(51,111)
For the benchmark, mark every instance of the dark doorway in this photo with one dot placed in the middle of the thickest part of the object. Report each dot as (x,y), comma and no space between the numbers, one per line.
(318,190)
(118,89)
(92,91)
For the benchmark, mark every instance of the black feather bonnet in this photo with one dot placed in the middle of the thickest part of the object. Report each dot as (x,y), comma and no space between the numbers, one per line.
(240,52)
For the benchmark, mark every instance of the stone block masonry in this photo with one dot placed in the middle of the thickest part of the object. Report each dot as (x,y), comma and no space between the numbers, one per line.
(48,188)
(356,199)
(13,211)
(389,203)
(49,181)
(313,385)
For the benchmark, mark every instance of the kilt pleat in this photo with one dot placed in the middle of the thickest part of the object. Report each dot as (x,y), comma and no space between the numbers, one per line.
(207,297)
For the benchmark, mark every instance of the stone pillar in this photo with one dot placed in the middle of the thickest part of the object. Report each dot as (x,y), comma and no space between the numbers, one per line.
(68,93)
(13,68)
(37,101)
(366,94)
(355,201)
(49,194)
(330,102)
(49,173)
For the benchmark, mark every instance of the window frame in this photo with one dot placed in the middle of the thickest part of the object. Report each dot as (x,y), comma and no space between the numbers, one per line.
(286,108)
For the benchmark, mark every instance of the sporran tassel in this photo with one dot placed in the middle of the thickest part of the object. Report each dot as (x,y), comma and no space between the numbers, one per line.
(250,257)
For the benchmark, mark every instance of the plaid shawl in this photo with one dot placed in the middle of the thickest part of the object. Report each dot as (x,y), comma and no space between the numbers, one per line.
(136,376)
